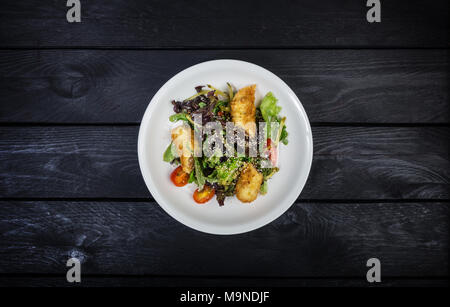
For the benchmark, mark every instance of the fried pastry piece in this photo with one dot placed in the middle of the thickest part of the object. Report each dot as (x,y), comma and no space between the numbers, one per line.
(243,109)
(248,184)
(183,139)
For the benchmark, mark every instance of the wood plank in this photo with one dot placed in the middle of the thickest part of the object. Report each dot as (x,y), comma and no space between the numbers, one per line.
(101,161)
(161,281)
(213,23)
(310,240)
(115,86)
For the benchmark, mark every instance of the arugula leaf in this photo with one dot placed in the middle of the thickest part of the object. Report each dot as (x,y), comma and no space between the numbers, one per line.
(228,170)
(192,177)
(219,92)
(284,135)
(269,172)
(168,155)
(212,177)
(199,174)
(204,92)
(263,189)
(179,116)
(230,91)
(212,161)
(221,104)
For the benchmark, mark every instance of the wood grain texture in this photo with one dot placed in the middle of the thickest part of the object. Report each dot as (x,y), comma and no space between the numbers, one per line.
(378,187)
(310,240)
(101,161)
(178,281)
(213,23)
(115,86)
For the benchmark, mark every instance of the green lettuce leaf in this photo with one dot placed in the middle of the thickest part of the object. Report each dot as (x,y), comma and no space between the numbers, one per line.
(284,135)
(263,189)
(179,116)
(269,108)
(228,170)
(168,155)
(199,174)
(269,111)
(192,177)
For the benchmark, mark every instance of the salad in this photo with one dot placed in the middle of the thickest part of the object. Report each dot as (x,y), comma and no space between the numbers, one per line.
(241,168)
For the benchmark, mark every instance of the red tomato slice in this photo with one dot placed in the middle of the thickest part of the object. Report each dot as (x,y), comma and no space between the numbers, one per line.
(273,153)
(204,195)
(179,177)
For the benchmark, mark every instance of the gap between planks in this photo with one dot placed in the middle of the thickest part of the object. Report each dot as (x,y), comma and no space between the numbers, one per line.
(313,124)
(151,200)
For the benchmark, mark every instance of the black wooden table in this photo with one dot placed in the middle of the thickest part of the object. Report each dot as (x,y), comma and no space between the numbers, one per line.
(72,96)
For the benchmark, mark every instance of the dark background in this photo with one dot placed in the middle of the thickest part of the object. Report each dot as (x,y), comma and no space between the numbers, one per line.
(72,96)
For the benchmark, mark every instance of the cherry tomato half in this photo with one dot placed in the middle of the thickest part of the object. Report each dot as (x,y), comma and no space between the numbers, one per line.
(179,177)
(204,195)
(273,154)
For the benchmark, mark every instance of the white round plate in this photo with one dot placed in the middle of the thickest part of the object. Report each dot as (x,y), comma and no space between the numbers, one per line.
(234,217)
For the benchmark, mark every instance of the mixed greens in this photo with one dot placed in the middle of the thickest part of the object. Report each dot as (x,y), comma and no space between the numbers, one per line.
(219,174)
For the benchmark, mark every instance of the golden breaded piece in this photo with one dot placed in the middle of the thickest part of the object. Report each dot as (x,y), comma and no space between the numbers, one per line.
(183,139)
(243,109)
(248,184)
